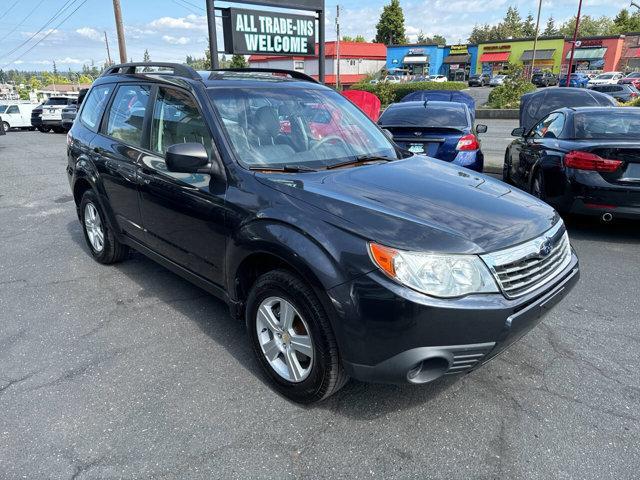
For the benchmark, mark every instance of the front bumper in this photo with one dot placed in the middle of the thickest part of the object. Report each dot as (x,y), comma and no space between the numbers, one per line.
(388,333)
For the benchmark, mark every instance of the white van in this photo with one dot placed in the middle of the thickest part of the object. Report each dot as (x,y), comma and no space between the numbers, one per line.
(16,115)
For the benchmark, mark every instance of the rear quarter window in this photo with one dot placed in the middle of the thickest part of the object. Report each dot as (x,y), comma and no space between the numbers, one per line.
(94,106)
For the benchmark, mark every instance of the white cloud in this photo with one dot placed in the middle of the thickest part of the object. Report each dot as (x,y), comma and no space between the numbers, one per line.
(190,22)
(176,40)
(71,61)
(90,33)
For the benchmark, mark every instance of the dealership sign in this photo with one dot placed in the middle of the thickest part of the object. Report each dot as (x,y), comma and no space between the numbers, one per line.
(269,33)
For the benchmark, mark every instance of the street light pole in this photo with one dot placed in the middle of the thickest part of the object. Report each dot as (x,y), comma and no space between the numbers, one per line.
(535,41)
(573,44)
(120,30)
(213,36)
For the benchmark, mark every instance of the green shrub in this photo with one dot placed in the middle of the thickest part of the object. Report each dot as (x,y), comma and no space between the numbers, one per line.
(633,103)
(508,95)
(394,92)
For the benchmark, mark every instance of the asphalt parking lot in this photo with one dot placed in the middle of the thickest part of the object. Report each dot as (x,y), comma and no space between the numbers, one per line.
(128,371)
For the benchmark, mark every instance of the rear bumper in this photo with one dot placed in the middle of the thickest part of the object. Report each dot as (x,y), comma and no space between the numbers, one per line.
(39,122)
(390,334)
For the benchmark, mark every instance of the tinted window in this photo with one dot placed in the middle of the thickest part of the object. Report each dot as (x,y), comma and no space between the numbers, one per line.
(453,116)
(126,115)
(94,106)
(13,109)
(56,101)
(3,108)
(176,119)
(613,124)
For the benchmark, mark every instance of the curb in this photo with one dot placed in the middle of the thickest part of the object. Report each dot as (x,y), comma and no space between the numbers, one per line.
(497,114)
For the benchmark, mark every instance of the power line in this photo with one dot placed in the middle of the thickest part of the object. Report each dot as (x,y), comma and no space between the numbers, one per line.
(193,5)
(56,15)
(47,34)
(9,9)
(23,20)
(185,6)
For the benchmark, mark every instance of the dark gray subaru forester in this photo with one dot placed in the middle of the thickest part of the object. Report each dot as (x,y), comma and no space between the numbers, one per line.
(345,255)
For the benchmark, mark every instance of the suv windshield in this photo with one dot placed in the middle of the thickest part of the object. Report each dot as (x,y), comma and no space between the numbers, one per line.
(613,124)
(274,126)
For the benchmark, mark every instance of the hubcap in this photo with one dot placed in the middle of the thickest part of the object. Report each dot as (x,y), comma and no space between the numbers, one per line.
(93,225)
(285,339)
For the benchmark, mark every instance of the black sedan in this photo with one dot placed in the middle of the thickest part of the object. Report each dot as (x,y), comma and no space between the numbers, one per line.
(582,160)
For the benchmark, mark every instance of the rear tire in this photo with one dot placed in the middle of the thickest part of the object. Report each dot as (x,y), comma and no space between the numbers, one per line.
(506,169)
(104,246)
(43,129)
(537,185)
(275,339)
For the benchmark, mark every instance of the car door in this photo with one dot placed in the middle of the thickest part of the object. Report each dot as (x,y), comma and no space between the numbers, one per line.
(115,151)
(543,138)
(183,214)
(12,116)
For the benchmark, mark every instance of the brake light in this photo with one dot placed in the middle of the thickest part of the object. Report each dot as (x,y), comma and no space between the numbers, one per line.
(468,142)
(590,161)
(633,95)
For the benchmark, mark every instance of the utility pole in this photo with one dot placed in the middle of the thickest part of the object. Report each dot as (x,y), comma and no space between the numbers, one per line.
(120,29)
(213,37)
(573,44)
(338,47)
(535,41)
(106,41)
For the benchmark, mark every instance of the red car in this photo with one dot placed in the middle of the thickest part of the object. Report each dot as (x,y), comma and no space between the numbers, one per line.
(633,79)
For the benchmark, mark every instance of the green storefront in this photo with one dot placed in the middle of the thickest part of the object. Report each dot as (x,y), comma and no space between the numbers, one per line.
(494,56)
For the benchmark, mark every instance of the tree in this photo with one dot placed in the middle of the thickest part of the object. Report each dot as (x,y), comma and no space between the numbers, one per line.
(422,39)
(238,61)
(145,56)
(529,26)
(390,28)
(550,29)
(589,26)
(357,38)
(624,22)
(511,25)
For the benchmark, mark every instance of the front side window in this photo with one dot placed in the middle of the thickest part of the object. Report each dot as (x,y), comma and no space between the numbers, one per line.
(273,126)
(94,106)
(550,127)
(13,109)
(176,119)
(126,115)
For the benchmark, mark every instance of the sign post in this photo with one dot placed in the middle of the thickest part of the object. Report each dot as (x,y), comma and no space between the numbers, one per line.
(263,32)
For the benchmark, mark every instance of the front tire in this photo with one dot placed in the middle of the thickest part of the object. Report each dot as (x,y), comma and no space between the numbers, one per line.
(43,129)
(292,338)
(5,126)
(104,246)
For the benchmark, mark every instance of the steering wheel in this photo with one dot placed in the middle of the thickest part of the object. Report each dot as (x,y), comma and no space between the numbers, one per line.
(328,139)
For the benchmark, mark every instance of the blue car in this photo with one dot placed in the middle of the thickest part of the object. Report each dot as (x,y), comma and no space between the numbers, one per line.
(578,80)
(442,130)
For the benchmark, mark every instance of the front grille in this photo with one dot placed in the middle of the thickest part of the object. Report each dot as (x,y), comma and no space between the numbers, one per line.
(468,356)
(524,268)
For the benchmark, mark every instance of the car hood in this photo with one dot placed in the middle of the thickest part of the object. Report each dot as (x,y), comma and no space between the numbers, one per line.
(421,204)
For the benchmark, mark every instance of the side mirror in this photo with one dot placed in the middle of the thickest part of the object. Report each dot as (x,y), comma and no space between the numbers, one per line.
(388,134)
(481,128)
(517,132)
(187,158)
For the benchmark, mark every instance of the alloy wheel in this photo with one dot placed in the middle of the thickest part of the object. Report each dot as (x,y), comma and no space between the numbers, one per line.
(285,339)
(93,226)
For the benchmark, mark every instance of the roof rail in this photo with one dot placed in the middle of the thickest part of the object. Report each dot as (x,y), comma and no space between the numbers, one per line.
(291,73)
(130,69)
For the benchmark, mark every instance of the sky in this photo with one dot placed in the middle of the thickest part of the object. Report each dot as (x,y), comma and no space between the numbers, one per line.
(171,29)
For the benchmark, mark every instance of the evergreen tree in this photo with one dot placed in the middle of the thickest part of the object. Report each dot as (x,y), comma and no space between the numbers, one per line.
(550,30)
(390,27)
(511,25)
(145,56)
(238,61)
(529,26)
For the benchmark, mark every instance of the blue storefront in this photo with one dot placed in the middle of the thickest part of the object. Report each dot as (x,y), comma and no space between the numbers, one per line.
(415,59)
(459,62)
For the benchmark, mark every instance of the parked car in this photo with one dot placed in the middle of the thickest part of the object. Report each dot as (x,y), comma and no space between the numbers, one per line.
(577,80)
(497,80)
(442,130)
(537,105)
(544,79)
(583,160)
(443,96)
(481,80)
(608,78)
(16,115)
(48,116)
(633,79)
(2,131)
(438,78)
(365,101)
(345,256)
(622,92)
(69,112)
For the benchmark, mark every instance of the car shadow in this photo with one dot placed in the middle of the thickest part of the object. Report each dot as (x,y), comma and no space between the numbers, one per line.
(356,399)
(594,229)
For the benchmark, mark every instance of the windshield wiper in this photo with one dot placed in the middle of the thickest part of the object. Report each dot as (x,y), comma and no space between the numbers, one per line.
(283,168)
(360,159)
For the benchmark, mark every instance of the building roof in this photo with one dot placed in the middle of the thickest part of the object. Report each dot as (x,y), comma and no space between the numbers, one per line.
(372,51)
(65,87)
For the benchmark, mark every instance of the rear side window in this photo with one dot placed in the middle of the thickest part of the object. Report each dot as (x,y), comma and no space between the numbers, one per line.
(94,106)
(126,115)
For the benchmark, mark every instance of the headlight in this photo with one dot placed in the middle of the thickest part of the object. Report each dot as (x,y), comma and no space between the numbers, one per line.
(434,274)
